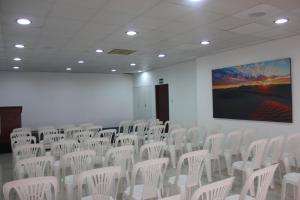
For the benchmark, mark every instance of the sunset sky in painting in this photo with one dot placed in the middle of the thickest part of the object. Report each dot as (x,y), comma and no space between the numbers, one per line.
(257,74)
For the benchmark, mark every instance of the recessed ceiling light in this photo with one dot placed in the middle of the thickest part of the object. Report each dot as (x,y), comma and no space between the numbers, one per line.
(140,71)
(113,70)
(205,42)
(131,33)
(17,59)
(161,55)
(15,67)
(132,64)
(23,21)
(19,46)
(68,68)
(281,21)
(99,51)
(80,61)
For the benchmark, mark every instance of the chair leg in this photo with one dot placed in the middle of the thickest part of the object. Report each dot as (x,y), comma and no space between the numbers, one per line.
(69,191)
(173,155)
(286,165)
(208,169)
(189,147)
(219,165)
(228,161)
(248,173)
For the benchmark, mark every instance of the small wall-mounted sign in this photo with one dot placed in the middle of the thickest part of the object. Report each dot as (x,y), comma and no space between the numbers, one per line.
(161,81)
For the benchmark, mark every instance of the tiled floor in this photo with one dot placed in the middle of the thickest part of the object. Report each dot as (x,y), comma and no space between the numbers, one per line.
(6,163)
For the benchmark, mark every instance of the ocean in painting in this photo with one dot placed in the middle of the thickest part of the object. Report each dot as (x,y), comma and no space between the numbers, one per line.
(259,91)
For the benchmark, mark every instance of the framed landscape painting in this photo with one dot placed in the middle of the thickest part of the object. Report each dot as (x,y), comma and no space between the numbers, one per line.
(258,91)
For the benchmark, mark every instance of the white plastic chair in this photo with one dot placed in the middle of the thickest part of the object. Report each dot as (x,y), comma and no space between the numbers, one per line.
(176,144)
(247,139)
(124,127)
(214,191)
(140,129)
(42,132)
(121,156)
(70,132)
(83,136)
(152,150)
(58,149)
(253,160)
(14,135)
(291,154)
(293,179)
(152,173)
(95,129)
(78,162)
(108,133)
(35,167)
(49,139)
(22,130)
(155,133)
(100,146)
(154,122)
(232,148)
(28,151)
(19,141)
(187,183)
(261,179)
(214,145)
(195,138)
(63,128)
(102,183)
(38,188)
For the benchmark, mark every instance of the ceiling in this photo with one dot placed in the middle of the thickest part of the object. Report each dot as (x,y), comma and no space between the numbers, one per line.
(65,31)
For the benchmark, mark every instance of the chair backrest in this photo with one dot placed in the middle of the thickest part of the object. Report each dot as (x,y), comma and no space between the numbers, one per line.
(78,161)
(49,139)
(37,188)
(95,129)
(233,142)
(22,130)
(256,152)
(139,128)
(248,136)
(63,128)
(124,126)
(46,131)
(196,135)
(83,136)
(274,149)
(84,126)
(120,156)
(58,149)
(19,141)
(177,138)
(214,144)
(108,133)
(14,135)
(214,191)
(292,145)
(155,132)
(152,150)
(152,173)
(261,179)
(35,167)
(99,145)
(69,132)
(100,182)
(154,122)
(124,140)
(28,151)
(195,161)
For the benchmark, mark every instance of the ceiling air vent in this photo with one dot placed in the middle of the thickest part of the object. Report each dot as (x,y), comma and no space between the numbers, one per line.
(121,51)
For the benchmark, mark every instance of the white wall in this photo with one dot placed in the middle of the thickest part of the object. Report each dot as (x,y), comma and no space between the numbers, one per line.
(289,47)
(68,98)
(182,92)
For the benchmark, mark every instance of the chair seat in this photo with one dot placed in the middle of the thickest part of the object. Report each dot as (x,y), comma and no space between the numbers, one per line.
(137,192)
(292,178)
(182,179)
(70,180)
(240,165)
(237,197)
(97,197)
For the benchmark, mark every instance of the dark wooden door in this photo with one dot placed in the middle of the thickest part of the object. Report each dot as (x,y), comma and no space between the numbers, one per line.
(162,102)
